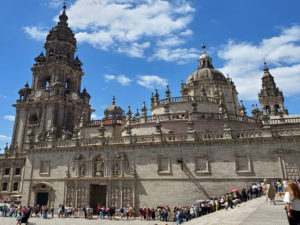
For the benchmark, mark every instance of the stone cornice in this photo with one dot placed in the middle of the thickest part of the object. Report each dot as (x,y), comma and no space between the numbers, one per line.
(218,142)
(202,178)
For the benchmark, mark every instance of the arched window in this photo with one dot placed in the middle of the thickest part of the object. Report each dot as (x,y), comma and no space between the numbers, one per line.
(268,109)
(51,53)
(277,108)
(47,83)
(70,122)
(33,118)
(68,84)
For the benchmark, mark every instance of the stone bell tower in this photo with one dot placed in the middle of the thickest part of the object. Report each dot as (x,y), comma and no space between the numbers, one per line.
(54,105)
(270,97)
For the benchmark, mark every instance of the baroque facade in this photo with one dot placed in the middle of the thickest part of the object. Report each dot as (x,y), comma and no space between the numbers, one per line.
(190,147)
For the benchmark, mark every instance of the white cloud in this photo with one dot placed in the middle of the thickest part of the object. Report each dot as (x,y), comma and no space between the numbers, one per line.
(244,60)
(132,25)
(151,81)
(109,77)
(186,32)
(4,138)
(9,117)
(55,3)
(135,49)
(36,32)
(126,26)
(95,117)
(3,96)
(181,55)
(170,41)
(121,79)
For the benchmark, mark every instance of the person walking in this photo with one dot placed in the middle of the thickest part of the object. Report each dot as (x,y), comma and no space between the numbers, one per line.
(279,186)
(292,203)
(178,218)
(270,191)
(52,212)
(4,210)
(229,201)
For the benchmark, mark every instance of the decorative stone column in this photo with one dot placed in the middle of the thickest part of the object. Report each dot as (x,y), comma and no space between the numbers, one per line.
(101,130)
(158,134)
(128,127)
(144,113)
(267,131)
(191,133)
(227,134)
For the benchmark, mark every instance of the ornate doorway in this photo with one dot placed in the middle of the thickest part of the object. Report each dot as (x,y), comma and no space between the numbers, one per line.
(42,198)
(98,195)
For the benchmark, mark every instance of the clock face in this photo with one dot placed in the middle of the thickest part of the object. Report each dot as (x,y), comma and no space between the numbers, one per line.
(38,93)
(74,96)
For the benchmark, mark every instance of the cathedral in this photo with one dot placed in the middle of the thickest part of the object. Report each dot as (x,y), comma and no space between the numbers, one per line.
(197,145)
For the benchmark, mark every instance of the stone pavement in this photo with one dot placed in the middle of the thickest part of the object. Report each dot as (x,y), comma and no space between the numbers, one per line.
(255,212)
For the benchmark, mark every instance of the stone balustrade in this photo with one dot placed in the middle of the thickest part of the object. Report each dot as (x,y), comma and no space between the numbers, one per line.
(194,116)
(99,122)
(283,120)
(187,99)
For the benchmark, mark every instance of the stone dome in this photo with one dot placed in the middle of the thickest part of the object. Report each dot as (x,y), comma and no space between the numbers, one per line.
(206,71)
(205,74)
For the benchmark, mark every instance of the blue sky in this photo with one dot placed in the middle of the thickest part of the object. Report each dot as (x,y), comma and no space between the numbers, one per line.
(129,48)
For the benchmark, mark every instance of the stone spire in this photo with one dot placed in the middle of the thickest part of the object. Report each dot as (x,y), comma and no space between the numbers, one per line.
(270,97)
(63,17)
(61,40)
(168,92)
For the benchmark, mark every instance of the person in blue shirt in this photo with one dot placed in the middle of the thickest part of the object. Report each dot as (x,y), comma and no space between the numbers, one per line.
(4,210)
(178,218)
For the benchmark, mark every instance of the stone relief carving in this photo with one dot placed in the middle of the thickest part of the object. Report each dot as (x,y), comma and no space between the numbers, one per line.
(292,168)
(81,196)
(71,191)
(99,166)
(115,197)
(115,170)
(127,196)
(82,170)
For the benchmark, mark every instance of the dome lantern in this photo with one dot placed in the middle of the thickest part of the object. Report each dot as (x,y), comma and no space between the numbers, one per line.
(204,60)
(113,111)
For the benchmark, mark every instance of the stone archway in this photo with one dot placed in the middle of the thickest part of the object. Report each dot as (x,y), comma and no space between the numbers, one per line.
(43,194)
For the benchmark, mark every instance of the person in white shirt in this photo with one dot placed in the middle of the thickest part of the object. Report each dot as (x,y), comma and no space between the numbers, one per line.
(292,200)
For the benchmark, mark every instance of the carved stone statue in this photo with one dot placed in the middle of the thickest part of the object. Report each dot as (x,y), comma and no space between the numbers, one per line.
(99,167)
(115,170)
(82,170)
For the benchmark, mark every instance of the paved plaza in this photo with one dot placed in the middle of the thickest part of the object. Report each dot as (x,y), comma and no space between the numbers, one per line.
(257,211)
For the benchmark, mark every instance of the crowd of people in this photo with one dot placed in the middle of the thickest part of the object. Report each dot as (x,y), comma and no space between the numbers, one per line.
(176,214)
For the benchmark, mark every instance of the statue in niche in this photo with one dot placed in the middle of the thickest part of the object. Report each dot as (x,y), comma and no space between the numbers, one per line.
(82,170)
(115,170)
(99,167)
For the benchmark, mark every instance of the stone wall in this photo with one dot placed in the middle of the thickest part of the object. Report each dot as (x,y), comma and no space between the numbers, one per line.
(169,184)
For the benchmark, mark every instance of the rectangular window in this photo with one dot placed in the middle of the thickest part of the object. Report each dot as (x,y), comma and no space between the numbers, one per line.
(4,186)
(44,167)
(18,171)
(243,164)
(201,164)
(16,186)
(163,165)
(7,170)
